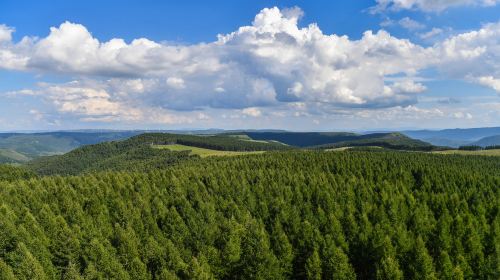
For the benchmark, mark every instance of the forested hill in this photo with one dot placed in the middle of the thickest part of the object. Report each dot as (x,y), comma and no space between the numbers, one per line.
(342,139)
(394,140)
(302,139)
(283,215)
(23,147)
(217,142)
(138,153)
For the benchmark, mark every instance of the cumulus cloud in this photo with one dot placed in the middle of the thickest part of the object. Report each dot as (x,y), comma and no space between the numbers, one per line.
(473,56)
(428,5)
(103,102)
(270,63)
(490,82)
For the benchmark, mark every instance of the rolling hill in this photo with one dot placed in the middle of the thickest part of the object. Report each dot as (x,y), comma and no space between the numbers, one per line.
(153,150)
(140,153)
(394,140)
(487,141)
(326,140)
(22,147)
(302,139)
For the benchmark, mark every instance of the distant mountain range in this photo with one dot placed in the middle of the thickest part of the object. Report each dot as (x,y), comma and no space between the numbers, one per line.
(485,136)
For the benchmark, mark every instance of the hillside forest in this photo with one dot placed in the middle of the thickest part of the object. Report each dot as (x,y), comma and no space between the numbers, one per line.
(291,214)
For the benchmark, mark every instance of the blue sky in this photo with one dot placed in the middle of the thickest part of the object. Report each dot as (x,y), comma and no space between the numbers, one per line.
(298,65)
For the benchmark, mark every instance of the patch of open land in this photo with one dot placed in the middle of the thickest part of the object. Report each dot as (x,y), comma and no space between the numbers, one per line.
(495,152)
(202,152)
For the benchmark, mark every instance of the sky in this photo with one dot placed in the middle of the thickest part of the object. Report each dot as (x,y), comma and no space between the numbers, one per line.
(295,65)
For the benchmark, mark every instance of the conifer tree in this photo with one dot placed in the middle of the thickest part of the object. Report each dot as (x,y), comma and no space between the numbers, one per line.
(422,266)
(313,266)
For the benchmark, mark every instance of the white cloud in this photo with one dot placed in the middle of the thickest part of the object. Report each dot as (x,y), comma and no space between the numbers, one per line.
(431,33)
(37,115)
(5,33)
(410,24)
(101,102)
(271,63)
(176,83)
(462,115)
(472,56)
(253,112)
(428,5)
(489,81)
(407,86)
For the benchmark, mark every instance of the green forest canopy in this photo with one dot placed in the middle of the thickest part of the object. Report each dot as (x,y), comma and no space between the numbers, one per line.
(279,215)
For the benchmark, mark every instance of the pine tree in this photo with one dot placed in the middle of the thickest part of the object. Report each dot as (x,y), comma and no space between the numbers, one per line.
(72,273)
(200,269)
(388,268)
(26,266)
(313,266)
(445,266)
(422,266)
(339,266)
(282,248)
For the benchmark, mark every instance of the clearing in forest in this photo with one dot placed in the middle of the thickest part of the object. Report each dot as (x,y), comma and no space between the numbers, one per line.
(494,152)
(202,152)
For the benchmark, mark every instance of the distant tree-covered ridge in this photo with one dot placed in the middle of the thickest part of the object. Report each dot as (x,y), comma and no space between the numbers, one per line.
(394,140)
(280,215)
(138,154)
(303,139)
(216,142)
(23,147)
(326,140)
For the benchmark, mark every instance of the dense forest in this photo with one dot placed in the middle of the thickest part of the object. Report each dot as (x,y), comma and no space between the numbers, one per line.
(278,215)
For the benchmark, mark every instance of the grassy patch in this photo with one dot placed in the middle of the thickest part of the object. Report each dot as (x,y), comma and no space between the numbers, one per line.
(495,152)
(10,155)
(202,152)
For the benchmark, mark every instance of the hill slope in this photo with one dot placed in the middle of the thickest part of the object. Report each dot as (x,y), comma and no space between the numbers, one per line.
(302,139)
(487,141)
(22,147)
(342,139)
(393,140)
(138,153)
